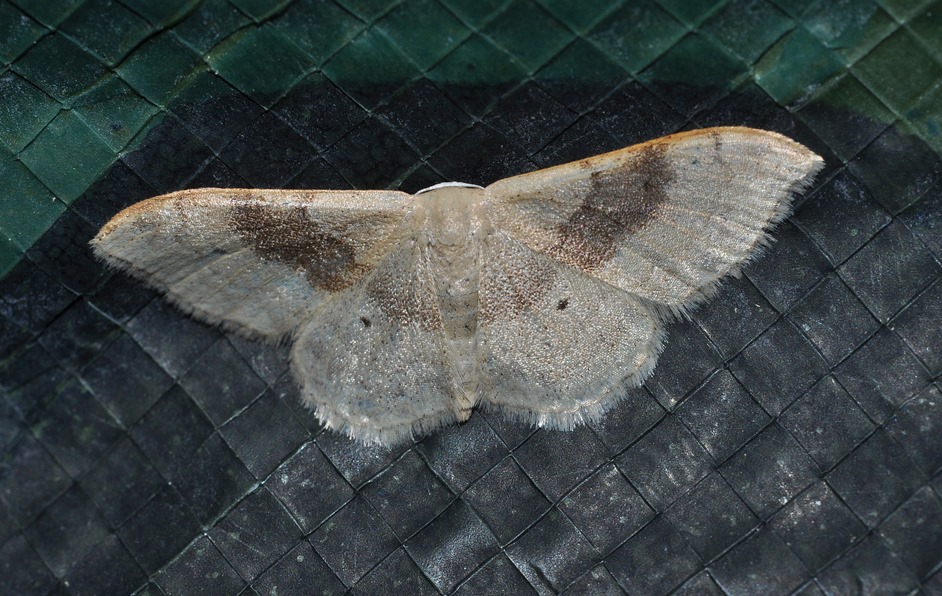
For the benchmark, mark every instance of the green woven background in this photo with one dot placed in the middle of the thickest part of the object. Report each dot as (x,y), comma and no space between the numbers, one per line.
(82,82)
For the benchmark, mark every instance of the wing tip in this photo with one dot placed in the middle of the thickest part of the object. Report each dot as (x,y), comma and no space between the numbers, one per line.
(809,160)
(808,165)
(131,212)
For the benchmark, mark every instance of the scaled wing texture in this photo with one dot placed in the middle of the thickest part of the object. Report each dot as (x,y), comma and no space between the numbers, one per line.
(537,296)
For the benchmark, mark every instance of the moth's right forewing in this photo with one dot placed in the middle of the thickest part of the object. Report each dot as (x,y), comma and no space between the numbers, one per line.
(664,220)
(255,261)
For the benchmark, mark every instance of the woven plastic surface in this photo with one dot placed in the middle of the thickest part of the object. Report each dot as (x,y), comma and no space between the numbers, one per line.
(788,440)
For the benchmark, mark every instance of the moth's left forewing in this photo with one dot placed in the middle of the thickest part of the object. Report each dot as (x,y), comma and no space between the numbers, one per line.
(254,261)
(664,220)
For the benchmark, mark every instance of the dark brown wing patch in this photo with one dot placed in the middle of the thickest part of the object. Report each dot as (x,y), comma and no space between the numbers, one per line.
(619,202)
(291,236)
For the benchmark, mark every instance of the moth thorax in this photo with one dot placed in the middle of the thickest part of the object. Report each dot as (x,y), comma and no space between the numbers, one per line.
(451,212)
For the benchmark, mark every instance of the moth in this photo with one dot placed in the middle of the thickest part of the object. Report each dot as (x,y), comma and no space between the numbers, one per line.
(537,296)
